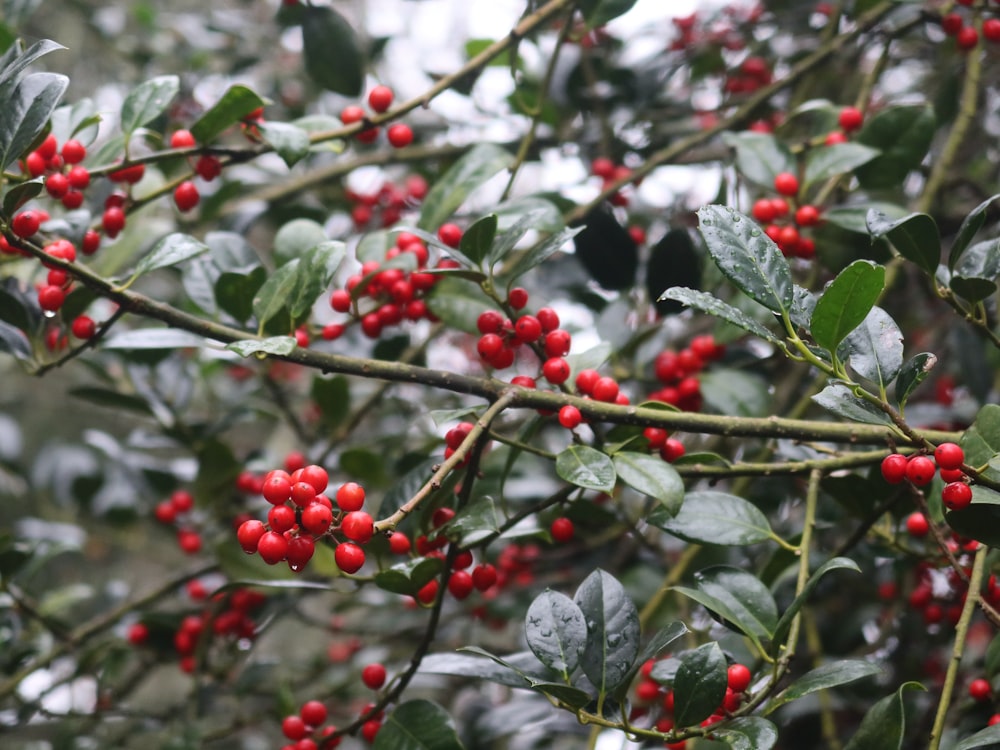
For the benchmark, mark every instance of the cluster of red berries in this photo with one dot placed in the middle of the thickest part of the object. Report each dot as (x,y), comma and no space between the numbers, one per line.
(726,33)
(396,294)
(500,338)
(178,506)
(610,172)
(678,372)
(920,469)
(651,697)
(65,176)
(966,35)
(308,729)
(772,211)
(385,207)
(380,99)
(939,591)
(753,73)
(228,617)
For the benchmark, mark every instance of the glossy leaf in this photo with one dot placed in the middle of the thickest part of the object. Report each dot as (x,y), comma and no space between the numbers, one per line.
(974,289)
(18,195)
(275,292)
(458,302)
(884,726)
(785,623)
(291,143)
(673,262)
(736,392)
(912,374)
(875,348)
(711,305)
(835,160)
(234,292)
(538,254)
(476,240)
(478,520)
(147,101)
(599,12)
(409,577)
(981,442)
(556,631)
(236,103)
(274,345)
(980,520)
(915,237)
(747,256)
(710,517)
(545,215)
(612,630)
(173,249)
(27,112)
(606,250)
(982,738)
(738,597)
(977,270)
(853,218)
(823,678)
(760,157)
(515,670)
(748,733)
(417,725)
(903,135)
(331,51)
(586,467)
(656,646)
(314,273)
(700,684)
(971,224)
(846,302)
(112,399)
(472,170)
(21,60)
(651,476)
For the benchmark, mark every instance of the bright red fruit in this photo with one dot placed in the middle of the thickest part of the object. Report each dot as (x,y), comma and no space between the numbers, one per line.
(949,456)
(83,327)
(917,524)
(894,468)
(26,223)
(380,98)
(738,678)
(272,547)
(349,557)
(980,690)
(570,417)
(562,530)
(850,119)
(186,196)
(350,497)
(181,139)
(786,183)
(920,470)
(358,526)
(400,134)
(956,495)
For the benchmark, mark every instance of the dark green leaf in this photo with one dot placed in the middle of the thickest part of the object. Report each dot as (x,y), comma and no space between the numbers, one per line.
(20,194)
(738,597)
(417,725)
(612,630)
(711,517)
(673,262)
(846,302)
(700,684)
(706,303)
(884,725)
(291,143)
(974,289)
(147,101)
(506,241)
(823,678)
(977,270)
(233,106)
(546,216)
(840,400)
(273,295)
(476,240)
(982,738)
(970,225)
(477,521)
(875,348)
(516,670)
(904,135)
(13,68)
(313,275)
(651,476)
(273,345)
(785,623)
(173,249)
(458,302)
(748,733)
(112,399)
(331,50)
(915,237)
(586,467)
(747,256)
(480,164)
(199,279)
(760,157)
(736,392)
(409,577)
(26,113)
(912,374)
(556,631)
(606,249)
(831,161)
(657,644)
(298,236)
(571,696)
(599,12)
(234,292)
(538,254)
(853,218)
(980,520)
(332,396)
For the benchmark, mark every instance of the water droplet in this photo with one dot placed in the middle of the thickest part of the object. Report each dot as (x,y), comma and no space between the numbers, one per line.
(591,624)
(614,639)
(755,233)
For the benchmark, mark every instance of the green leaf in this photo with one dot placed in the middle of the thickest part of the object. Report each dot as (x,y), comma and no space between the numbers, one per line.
(538,254)
(980,520)
(884,725)
(502,244)
(275,292)
(291,143)
(977,270)
(556,631)
(112,399)
(410,576)
(823,678)
(516,670)
(656,645)
(760,157)
(711,517)
(974,290)
(147,101)
(332,396)
(903,135)
(651,476)
(875,348)
(785,623)
(478,520)
(840,400)
(831,161)
(480,164)
(738,597)
(711,305)
(599,12)
(748,733)
(846,302)
(458,302)
(417,725)
(545,215)
(612,630)
(915,236)
(173,249)
(313,275)
(747,256)
(26,112)
(476,240)
(970,225)
(586,467)
(912,374)
(853,217)
(20,194)
(234,292)
(274,345)
(982,738)
(736,392)
(299,236)
(236,103)
(10,70)
(700,684)
(331,50)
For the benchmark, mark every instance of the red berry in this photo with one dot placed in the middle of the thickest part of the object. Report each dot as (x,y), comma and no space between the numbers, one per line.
(460,584)
(350,497)
(313,713)
(517,297)
(165,512)
(113,221)
(602,167)
(967,38)
(850,119)
(528,329)
(672,450)
(991,29)
(358,526)
(450,234)
(917,524)
(370,729)
(272,547)
(894,468)
(400,134)
(549,319)
(131,174)
(277,488)
(605,389)
(489,321)
(834,137)
(920,470)
(556,370)
(26,223)
(293,727)
(585,381)
(181,139)
(34,163)
(48,147)
(380,98)
(186,196)
(300,552)
(91,242)
(570,417)
(956,495)
(83,327)
(315,475)
(189,541)
(807,216)
(558,343)
(281,518)
(208,167)
(786,183)
(349,557)
(561,530)
(949,456)
(399,543)
(249,534)
(317,518)
(980,690)
(763,211)
(351,114)
(182,500)
(738,678)
(51,298)
(428,593)
(484,576)
(57,185)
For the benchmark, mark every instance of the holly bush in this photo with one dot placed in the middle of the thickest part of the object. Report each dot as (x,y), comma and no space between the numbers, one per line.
(614,379)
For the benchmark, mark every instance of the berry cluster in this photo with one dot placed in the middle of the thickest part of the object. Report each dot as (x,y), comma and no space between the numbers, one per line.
(180,504)
(308,728)
(610,172)
(678,371)
(394,294)
(954,24)
(385,206)
(920,469)
(500,338)
(380,99)
(771,212)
